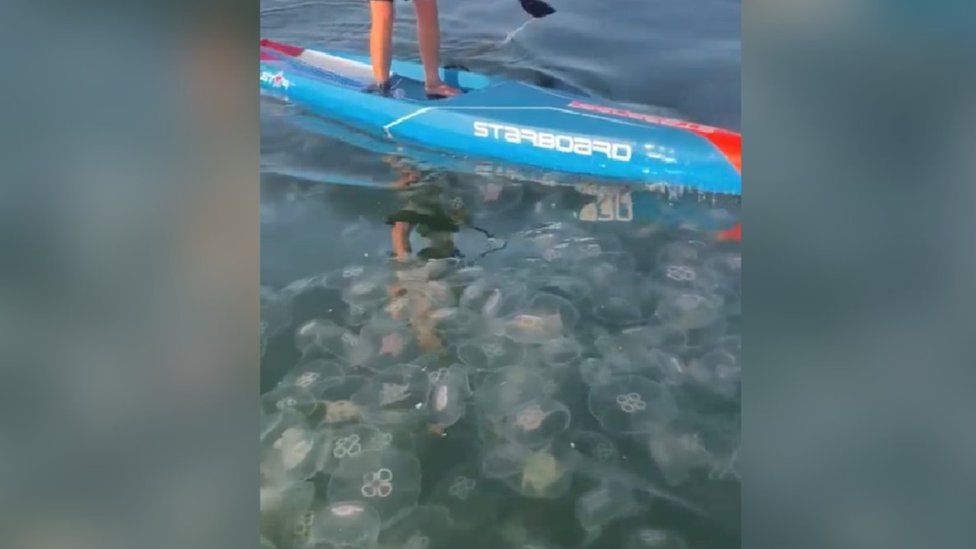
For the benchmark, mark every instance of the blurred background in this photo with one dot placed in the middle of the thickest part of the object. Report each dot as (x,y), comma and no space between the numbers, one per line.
(129,283)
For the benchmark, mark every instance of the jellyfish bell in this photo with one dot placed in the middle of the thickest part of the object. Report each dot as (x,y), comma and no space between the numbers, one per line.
(289,397)
(449,390)
(545,316)
(490,353)
(718,372)
(472,499)
(345,524)
(319,337)
(544,473)
(388,480)
(560,351)
(594,446)
(289,456)
(537,423)
(421,527)
(398,394)
(506,389)
(654,538)
(285,510)
(631,404)
(604,504)
(689,310)
(309,374)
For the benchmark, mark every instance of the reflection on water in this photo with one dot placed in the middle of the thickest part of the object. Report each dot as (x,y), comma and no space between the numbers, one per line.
(464,354)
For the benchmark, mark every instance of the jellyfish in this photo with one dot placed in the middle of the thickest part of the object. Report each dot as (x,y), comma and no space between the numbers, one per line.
(689,310)
(604,504)
(395,395)
(290,397)
(560,351)
(346,524)
(536,423)
(422,527)
(491,353)
(543,473)
(508,388)
(448,391)
(320,337)
(545,316)
(472,500)
(678,453)
(388,480)
(276,311)
(454,324)
(289,456)
(335,396)
(718,372)
(308,374)
(654,538)
(616,307)
(672,339)
(285,512)
(350,442)
(631,404)
(571,288)
(595,446)
(687,251)
(392,340)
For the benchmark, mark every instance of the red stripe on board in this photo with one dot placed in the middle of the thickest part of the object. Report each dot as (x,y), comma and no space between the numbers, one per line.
(268,57)
(728,143)
(293,51)
(735,233)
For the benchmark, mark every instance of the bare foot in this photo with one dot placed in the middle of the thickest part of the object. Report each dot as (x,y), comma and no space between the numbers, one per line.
(441,89)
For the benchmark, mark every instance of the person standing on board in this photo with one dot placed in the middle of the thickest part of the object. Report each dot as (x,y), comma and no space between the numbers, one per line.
(382,15)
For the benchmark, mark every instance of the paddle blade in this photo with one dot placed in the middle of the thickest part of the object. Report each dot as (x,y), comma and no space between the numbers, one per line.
(537,8)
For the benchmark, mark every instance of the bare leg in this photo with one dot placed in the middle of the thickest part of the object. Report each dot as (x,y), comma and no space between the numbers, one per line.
(429,36)
(382,15)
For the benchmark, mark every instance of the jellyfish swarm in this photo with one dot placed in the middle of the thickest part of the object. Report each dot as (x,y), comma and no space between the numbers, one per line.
(388,480)
(631,404)
(349,443)
(345,524)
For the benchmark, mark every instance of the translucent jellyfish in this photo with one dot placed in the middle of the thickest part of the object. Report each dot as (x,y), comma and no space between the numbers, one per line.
(423,527)
(289,456)
(491,353)
(345,524)
(604,504)
(323,338)
(572,288)
(595,371)
(617,307)
(508,388)
(389,480)
(536,423)
(350,442)
(335,397)
(631,404)
(448,392)
(455,324)
(291,397)
(681,251)
(368,288)
(560,351)
(718,372)
(285,513)
(689,310)
(308,374)
(470,498)
(683,277)
(545,316)
(393,341)
(533,473)
(275,310)
(654,538)
(595,446)
(677,454)
(664,337)
(395,395)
